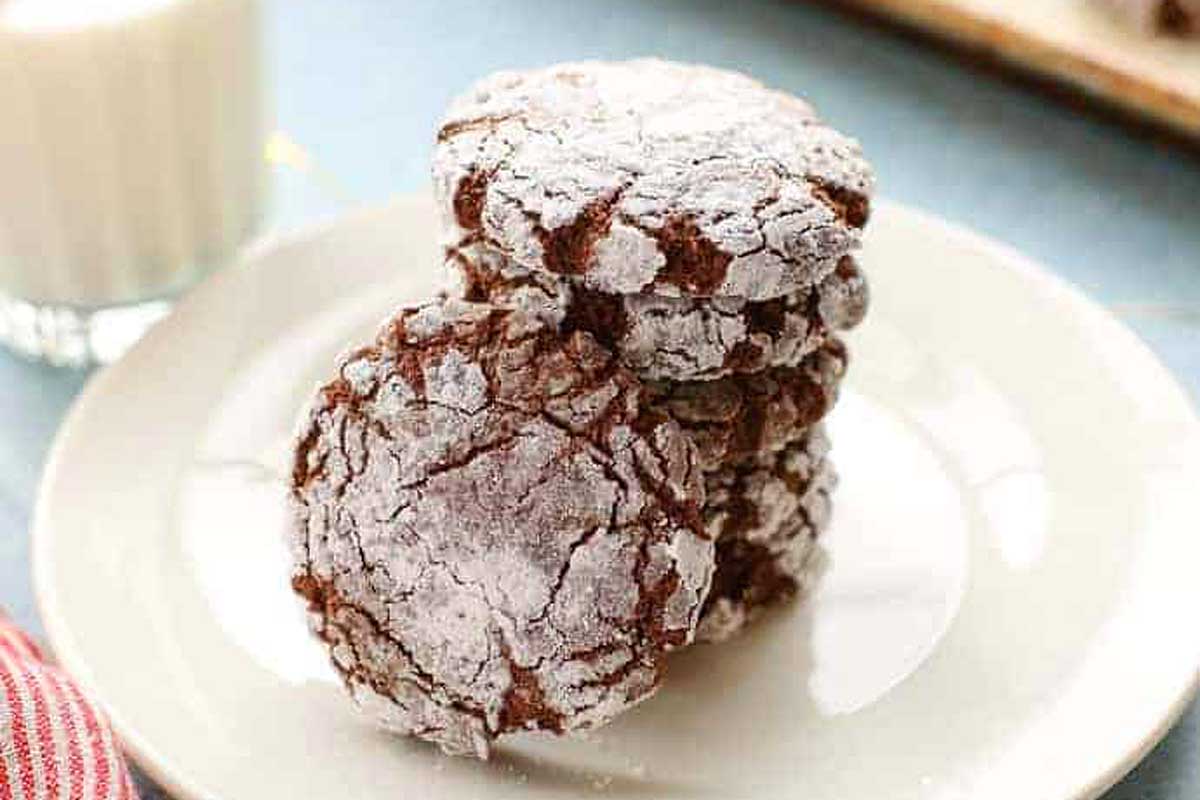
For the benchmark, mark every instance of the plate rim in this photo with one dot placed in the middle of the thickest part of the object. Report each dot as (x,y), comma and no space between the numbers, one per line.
(135,747)
(159,768)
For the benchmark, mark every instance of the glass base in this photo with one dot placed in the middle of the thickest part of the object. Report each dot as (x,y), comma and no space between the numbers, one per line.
(73,337)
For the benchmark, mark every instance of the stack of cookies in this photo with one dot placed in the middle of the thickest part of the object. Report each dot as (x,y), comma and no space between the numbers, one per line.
(701,227)
(606,442)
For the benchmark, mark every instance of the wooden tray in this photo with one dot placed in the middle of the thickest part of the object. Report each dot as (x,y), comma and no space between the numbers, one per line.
(1073,41)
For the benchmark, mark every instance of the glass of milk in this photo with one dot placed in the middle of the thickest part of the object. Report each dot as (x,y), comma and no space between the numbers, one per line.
(131,136)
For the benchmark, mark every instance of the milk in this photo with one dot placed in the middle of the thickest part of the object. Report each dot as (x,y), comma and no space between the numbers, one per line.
(131,139)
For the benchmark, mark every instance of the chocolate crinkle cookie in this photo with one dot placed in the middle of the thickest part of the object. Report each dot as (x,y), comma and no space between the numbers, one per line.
(493,530)
(765,515)
(744,416)
(673,338)
(651,177)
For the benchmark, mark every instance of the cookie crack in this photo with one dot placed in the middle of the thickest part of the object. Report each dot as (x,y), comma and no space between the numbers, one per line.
(565,569)
(848,207)
(323,596)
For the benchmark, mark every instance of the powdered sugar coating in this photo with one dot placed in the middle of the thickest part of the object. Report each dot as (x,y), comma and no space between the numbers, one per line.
(754,500)
(651,177)
(746,416)
(479,274)
(766,515)
(673,338)
(491,531)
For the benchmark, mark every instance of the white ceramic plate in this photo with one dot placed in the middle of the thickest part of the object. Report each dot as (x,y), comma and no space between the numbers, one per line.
(1010,611)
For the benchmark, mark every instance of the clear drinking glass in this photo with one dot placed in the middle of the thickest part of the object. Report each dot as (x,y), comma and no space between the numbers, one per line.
(131,137)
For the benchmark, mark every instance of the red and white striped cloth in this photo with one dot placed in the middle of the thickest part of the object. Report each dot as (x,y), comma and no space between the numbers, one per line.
(53,742)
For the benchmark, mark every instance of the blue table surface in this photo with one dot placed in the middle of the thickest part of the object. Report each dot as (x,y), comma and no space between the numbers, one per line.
(360,85)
